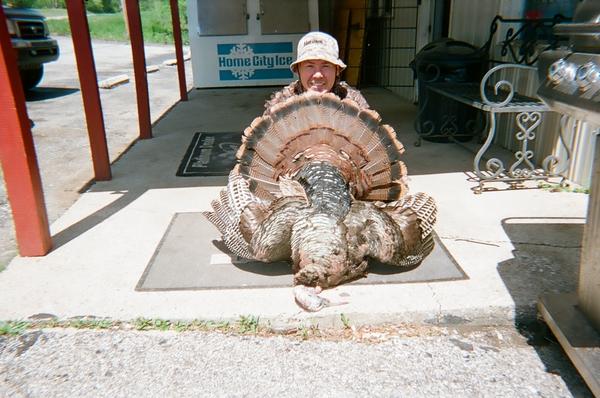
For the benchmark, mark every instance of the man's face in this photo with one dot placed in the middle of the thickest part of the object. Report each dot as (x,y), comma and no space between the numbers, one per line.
(317,75)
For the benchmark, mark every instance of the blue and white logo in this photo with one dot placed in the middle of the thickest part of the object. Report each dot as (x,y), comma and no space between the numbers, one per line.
(255,61)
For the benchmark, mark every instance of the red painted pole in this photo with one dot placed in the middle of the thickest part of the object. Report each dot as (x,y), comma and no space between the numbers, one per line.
(90,94)
(134,26)
(178,49)
(18,158)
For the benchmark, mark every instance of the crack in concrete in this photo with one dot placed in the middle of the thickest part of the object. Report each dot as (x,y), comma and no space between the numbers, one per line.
(499,242)
(438,316)
(548,245)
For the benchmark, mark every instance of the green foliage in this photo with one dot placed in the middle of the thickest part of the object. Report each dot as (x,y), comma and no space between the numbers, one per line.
(161,324)
(304,333)
(143,324)
(248,324)
(95,6)
(103,6)
(156,24)
(345,320)
(89,323)
(21,3)
(12,328)
(562,188)
(152,324)
(182,326)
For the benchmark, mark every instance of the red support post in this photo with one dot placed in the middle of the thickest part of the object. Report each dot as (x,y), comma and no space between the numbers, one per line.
(90,94)
(18,158)
(134,26)
(178,49)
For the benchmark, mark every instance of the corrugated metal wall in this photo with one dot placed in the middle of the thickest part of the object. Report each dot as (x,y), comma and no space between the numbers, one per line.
(470,21)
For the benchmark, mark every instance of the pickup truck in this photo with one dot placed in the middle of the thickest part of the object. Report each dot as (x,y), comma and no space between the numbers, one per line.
(32,42)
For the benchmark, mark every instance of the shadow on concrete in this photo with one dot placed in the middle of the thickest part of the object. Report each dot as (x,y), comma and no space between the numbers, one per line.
(127,197)
(545,259)
(45,93)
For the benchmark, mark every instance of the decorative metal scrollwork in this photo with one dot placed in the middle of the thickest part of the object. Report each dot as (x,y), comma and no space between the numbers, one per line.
(522,42)
(502,84)
(527,123)
(449,125)
(522,168)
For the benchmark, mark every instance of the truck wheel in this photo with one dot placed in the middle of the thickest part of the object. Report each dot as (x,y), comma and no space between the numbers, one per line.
(31,77)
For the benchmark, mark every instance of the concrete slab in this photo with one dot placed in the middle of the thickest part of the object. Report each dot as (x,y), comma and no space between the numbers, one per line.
(106,239)
(112,82)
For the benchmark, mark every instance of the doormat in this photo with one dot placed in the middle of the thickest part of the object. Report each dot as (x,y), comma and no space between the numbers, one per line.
(210,154)
(189,258)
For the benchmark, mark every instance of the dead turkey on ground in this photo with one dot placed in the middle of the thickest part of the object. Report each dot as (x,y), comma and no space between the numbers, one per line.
(320,182)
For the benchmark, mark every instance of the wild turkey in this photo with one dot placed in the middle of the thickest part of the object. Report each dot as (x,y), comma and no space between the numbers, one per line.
(320,181)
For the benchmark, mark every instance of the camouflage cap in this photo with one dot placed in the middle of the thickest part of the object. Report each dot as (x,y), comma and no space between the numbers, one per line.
(318,45)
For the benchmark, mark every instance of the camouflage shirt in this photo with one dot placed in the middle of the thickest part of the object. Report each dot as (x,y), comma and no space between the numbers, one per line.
(341,89)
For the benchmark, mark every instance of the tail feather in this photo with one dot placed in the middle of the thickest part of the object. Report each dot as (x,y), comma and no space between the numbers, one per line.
(383,193)
(227,213)
(426,209)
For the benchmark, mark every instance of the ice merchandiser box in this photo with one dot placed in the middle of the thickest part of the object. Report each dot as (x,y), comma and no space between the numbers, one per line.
(247,42)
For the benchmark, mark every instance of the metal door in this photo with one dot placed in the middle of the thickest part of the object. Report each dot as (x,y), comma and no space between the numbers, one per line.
(222,18)
(283,17)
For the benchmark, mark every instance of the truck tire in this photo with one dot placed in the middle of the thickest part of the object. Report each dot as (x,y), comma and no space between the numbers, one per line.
(31,77)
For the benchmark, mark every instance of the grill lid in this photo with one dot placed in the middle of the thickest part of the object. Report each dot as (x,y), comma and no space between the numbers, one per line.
(572,84)
(584,31)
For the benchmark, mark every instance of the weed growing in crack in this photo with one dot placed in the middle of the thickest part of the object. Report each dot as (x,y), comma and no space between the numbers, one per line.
(345,320)
(12,328)
(248,324)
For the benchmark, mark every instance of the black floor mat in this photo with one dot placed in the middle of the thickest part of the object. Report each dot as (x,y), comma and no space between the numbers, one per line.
(210,154)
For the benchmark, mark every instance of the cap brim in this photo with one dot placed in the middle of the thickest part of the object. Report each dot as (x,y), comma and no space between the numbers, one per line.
(337,62)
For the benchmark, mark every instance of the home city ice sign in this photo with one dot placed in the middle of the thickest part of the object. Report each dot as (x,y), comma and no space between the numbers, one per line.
(255,61)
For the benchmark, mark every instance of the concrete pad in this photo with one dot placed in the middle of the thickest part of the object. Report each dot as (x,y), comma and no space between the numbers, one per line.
(152,68)
(106,239)
(170,62)
(113,81)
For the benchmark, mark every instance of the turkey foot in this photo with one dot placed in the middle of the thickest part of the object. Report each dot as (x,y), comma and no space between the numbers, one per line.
(308,298)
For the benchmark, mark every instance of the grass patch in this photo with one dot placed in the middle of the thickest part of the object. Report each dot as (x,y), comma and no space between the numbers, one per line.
(53,12)
(345,320)
(244,325)
(562,188)
(156,25)
(91,323)
(248,324)
(147,324)
(102,27)
(12,328)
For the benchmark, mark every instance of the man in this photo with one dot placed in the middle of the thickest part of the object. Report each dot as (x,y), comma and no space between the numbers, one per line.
(318,67)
